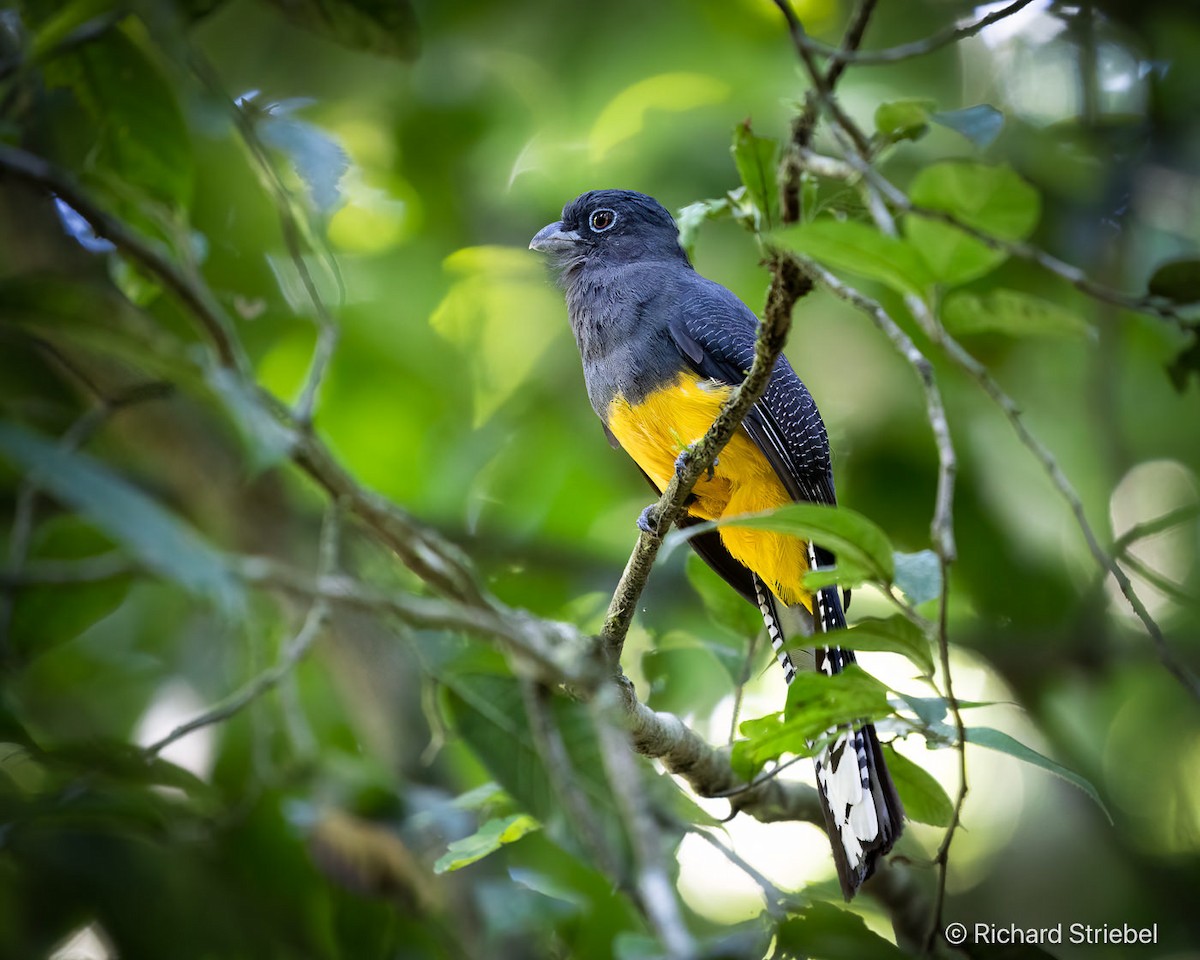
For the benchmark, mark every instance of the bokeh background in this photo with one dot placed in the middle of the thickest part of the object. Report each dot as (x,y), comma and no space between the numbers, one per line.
(421,168)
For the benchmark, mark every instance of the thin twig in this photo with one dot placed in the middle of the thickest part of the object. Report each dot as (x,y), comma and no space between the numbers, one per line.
(942,526)
(1157,580)
(878,187)
(787,287)
(289,656)
(1150,528)
(550,746)
(656,893)
(855,169)
(918,48)
(943,854)
(774,899)
(76,436)
(290,228)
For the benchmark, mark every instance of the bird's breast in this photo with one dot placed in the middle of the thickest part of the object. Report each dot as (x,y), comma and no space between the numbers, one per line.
(657,428)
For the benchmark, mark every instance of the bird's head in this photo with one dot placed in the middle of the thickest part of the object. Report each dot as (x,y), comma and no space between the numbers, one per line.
(610,228)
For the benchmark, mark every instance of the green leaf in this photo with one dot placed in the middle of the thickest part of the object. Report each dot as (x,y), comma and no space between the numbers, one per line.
(69,18)
(997,740)
(40,617)
(903,119)
(160,540)
(684,676)
(487,839)
(490,286)
(1185,365)
(860,249)
(918,575)
(816,703)
(485,706)
(624,116)
(131,129)
(1010,312)
(980,124)
(385,27)
(931,711)
(690,218)
(924,799)
(824,932)
(891,635)
(1177,280)
(755,159)
(858,543)
(724,605)
(265,441)
(992,199)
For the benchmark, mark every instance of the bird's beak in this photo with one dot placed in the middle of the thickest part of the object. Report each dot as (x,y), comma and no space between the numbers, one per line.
(553,238)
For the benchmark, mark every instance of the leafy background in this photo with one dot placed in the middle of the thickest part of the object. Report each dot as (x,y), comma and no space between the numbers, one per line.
(396,158)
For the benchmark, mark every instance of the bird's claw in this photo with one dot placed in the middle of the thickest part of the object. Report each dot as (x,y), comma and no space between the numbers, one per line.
(647,520)
(681,463)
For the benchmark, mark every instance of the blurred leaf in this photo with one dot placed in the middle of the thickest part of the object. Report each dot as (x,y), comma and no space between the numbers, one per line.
(858,542)
(997,740)
(822,931)
(480,797)
(319,160)
(265,441)
(685,676)
(816,703)
(1010,312)
(1185,365)
(386,27)
(895,634)
(992,199)
(40,617)
(137,286)
(723,604)
(860,249)
(138,138)
(625,115)
(931,711)
(491,286)
(903,119)
(923,797)
(487,709)
(487,839)
(69,18)
(1177,280)
(690,218)
(162,541)
(918,575)
(980,124)
(370,858)
(754,157)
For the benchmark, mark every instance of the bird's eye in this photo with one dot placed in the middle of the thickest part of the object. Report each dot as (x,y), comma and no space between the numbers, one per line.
(602,219)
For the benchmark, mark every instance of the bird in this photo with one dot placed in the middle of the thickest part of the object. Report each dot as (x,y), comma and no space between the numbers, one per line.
(662,348)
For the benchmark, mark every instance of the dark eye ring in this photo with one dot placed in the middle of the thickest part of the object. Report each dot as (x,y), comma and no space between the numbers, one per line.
(602,219)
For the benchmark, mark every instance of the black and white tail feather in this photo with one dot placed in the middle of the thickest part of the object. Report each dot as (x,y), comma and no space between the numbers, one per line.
(863,814)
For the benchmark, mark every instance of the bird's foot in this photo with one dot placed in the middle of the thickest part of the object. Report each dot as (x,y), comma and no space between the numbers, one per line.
(647,520)
(685,455)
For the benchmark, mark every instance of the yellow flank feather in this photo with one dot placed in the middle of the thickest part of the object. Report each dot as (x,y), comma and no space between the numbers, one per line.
(655,431)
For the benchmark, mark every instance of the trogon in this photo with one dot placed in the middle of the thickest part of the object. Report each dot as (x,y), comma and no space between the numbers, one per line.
(662,349)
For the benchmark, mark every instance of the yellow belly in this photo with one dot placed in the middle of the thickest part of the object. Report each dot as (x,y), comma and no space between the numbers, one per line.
(655,431)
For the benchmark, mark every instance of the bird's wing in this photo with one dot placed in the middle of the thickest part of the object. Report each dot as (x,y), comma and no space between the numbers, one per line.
(715,333)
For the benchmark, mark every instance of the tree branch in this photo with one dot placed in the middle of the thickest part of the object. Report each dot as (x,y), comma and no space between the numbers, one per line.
(197,298)
(787,286)
(289,656)
(839,56)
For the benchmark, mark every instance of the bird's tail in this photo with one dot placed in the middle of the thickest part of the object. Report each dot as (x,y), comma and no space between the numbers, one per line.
(863,813)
